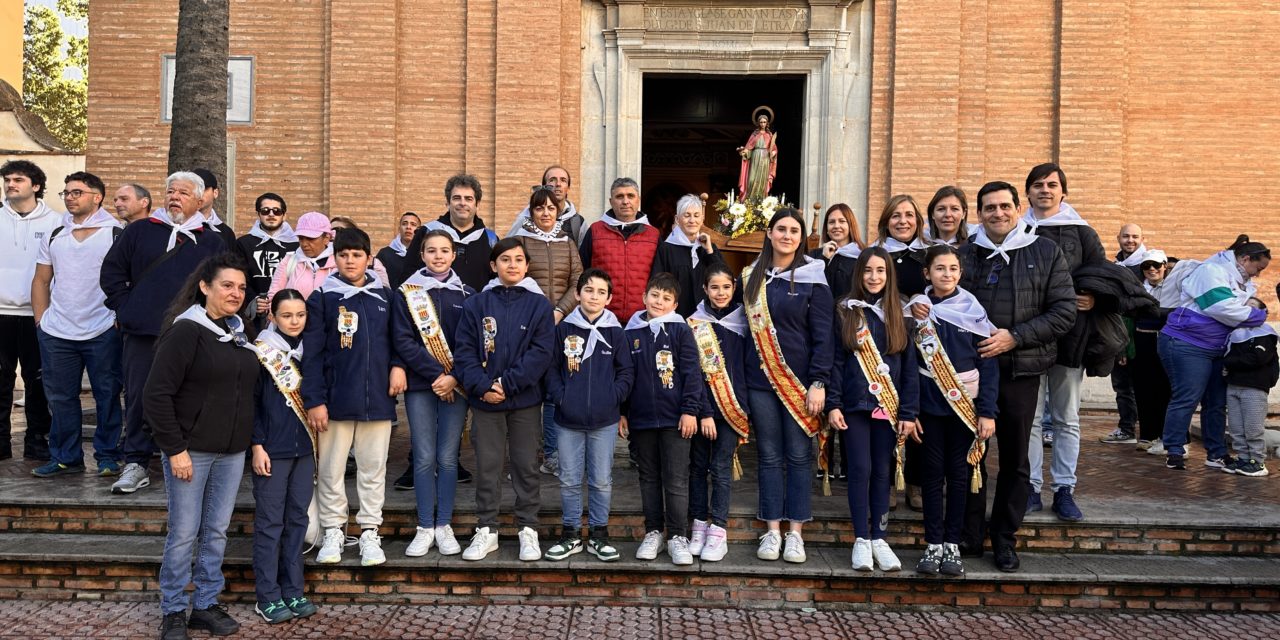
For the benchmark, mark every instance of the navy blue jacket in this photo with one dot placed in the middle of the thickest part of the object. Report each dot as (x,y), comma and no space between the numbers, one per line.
(352,382)
(734,349)
(848,389)
(652,405)
(522,347)
(140,304)
(803,320)
(962,348)
(275,426)
(839,272)
(420,367)
(592,397)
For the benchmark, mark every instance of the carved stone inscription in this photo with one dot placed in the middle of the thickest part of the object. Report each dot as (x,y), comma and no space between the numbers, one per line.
(726,20)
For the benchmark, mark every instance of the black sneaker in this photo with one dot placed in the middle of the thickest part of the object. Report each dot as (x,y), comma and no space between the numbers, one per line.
(273,612)
(215,620)
(598,545)
(951,563)
(567,546)
(174,627)
(1176,461)
(405,481)
(464,476)
(300,606)
(932,560)
(1251,468)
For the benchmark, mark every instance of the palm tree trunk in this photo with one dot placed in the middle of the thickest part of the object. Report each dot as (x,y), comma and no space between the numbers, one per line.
(198,132)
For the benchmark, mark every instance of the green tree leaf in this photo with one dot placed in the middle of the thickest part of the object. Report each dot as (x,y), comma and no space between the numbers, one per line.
(47,53)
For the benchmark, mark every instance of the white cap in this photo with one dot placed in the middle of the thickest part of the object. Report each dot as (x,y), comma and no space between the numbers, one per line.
(1155,255)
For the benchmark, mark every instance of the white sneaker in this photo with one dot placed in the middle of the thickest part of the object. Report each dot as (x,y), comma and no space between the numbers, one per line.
(678,549)
(650,546)
(862,555)
(793,548)
(697,537)
(446,544)
(331,548)
(422,542)
(715,548)
(529,549)
(770,543)
(134,477)
(885,559)
(482,543)
(1157,448)
(371,549)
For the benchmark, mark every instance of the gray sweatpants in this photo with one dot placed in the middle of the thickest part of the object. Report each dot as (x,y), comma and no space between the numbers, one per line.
(494,436)
(1246,422)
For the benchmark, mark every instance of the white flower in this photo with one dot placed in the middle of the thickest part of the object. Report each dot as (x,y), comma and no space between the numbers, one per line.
(738,209)
(883,369)
(770,203)
(737,223)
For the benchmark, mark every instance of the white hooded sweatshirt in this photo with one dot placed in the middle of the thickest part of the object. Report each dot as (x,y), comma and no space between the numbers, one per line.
(20,240)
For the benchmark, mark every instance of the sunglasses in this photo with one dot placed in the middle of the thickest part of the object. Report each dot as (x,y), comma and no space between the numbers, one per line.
(1152,265)
(271,211)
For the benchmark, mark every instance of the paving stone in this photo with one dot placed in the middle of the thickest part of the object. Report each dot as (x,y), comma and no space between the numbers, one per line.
(713,624)
(797,624)
(534,623)
(432,622)
(616,623)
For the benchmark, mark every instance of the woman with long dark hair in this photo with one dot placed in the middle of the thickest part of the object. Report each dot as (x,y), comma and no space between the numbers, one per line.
(948,215)
(199,402)
(789,307)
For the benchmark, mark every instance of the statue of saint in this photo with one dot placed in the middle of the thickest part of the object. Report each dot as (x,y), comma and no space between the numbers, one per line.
(759,158)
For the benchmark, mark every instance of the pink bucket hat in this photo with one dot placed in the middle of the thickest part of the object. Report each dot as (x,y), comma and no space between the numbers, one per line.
(313,224)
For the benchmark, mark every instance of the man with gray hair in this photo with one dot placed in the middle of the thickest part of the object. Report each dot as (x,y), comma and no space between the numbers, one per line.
(132,203)
(622,243)
(141,274)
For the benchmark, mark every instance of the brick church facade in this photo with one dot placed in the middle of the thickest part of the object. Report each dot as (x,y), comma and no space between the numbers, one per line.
(1160,111)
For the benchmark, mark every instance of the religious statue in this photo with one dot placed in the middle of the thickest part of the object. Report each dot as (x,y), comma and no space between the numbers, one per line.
(759,158)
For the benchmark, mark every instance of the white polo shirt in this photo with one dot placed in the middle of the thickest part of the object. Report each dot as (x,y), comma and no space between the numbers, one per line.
(77,305)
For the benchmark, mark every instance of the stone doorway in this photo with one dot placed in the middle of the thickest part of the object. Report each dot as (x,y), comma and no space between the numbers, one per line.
(693,125)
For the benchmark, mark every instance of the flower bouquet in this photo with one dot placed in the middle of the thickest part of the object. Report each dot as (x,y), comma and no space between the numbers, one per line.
(741,218)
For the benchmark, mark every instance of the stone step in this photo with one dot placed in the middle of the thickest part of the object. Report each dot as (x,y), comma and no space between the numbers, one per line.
(92,566)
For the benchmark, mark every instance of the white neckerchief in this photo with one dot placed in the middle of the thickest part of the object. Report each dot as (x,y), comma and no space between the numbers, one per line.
(1020,237)
(423,278)
(877,308)
(637,321)
(195,221)
(213,218)
(608,219)
(272,336)
(735,321)
(528,284)
(606,319)
(962,310)
(849,250)
(1065,216)
(1136,258)
(811,272)
(335,284)
(96,220)
(312,263)
(453,233)
(196,313)
(955,240)
(397,245)
(894,245)
(530,230)
(1245,334)
(678,238)
(284,234)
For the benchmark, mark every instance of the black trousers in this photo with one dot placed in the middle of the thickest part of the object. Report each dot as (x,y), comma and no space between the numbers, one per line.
(1126,403)
(662,458)
(138,353)
(1150,387)
(943,464)
(1017,408)
(18,345)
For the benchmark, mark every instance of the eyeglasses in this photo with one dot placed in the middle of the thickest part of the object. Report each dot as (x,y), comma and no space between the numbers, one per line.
(74,194)
(271,211)
(996,267)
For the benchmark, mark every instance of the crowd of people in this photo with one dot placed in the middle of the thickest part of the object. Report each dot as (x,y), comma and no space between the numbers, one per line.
(289,346)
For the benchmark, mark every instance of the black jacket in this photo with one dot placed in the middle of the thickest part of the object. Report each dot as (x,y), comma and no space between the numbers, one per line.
(471,261)
(1032,296)
(909,268)
(1253,363)
(1079,244)
(200,393)
(395,263)
(263,257)
(1099,335)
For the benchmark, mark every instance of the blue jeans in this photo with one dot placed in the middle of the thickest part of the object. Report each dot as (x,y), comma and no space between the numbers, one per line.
(1195,378)
(550,430)
(594,450)
(785,454)
(64,362)
(435,429)
(199,514)
(714,457)
(1060,389)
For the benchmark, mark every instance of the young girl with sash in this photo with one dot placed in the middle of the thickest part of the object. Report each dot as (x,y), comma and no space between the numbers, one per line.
(957,403)
(720,330)
(789,307)
(427,308)
(284,464)
(873,398)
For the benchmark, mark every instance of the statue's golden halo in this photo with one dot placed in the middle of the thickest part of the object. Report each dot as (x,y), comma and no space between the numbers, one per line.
(755,115)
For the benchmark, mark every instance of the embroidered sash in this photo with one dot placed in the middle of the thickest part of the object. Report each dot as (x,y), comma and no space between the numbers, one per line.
(423,312)
(944,375)
(881,387)
(711,358)
(287,377)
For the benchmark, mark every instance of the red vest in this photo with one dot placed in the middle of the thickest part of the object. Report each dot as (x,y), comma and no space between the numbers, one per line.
(627,261)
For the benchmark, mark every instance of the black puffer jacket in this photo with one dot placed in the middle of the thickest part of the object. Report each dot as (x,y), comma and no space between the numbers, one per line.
(1031,296)
(1099,335)
(1079,243)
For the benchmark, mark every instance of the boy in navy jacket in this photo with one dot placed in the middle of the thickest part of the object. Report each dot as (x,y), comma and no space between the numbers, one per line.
(662,415)
(350,377)
(590,379)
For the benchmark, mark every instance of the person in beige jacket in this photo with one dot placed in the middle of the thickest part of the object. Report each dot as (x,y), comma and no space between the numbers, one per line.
(553,255)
